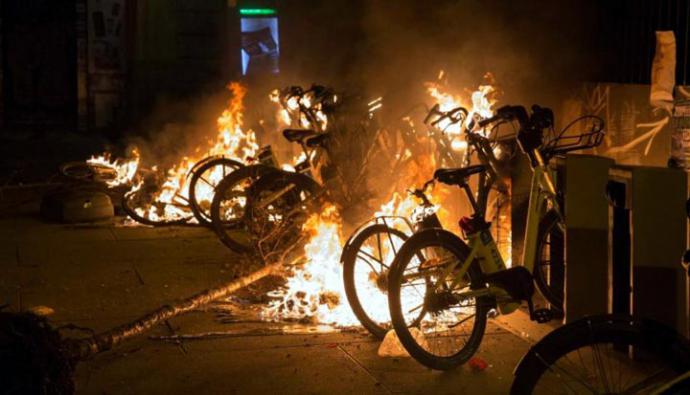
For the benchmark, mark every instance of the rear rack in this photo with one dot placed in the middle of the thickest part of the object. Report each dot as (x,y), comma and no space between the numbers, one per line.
(570,140)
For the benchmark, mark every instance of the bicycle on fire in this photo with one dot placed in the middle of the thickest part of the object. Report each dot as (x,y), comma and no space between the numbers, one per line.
(452,283)
(369,252)
(261,208)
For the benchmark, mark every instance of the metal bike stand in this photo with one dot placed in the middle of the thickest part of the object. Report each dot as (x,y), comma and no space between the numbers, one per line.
(587,235)
(619,194)
(659,239)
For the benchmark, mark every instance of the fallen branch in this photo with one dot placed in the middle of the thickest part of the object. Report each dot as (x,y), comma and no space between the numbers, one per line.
(84,348)
(44,361)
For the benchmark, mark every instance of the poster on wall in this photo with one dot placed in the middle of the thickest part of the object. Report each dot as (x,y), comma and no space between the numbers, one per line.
(260,42)
(105,32)
(680,136)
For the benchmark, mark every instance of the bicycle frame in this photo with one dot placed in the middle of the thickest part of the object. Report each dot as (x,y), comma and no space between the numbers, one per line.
(542,194)
(483,247)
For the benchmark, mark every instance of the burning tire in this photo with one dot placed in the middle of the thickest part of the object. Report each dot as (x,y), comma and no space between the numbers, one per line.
(141,204)
(88,172)
(205,177)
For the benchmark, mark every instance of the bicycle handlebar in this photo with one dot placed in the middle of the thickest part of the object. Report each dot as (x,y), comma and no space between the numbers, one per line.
(420,193)
(507,113)
(454,115)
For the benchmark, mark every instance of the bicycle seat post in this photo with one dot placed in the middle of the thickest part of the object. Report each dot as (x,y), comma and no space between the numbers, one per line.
(470,197)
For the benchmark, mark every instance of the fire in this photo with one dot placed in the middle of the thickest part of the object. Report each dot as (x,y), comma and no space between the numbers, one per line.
(124,170)
(316,291)
(479,105)
(481,102)
(230,141)
(292,111)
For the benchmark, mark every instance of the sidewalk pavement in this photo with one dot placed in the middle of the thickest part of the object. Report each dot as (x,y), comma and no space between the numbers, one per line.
(99,276)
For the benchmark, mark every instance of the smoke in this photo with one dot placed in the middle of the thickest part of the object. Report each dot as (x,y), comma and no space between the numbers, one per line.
(536,49)
(177,127)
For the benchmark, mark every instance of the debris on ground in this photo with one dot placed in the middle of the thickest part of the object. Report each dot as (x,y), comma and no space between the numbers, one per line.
(477,364)
(391,346)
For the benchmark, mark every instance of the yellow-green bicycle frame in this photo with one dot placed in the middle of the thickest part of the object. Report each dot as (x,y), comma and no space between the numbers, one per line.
(483,247)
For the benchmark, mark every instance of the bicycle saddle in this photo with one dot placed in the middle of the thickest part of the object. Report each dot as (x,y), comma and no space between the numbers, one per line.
(316,141)
(458,175)
(294,135)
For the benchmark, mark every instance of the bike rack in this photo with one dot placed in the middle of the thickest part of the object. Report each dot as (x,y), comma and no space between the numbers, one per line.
(624,254)
(583,181)
(649,237)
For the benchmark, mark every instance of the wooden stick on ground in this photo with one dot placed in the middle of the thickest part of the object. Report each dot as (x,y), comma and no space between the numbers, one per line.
(84,348)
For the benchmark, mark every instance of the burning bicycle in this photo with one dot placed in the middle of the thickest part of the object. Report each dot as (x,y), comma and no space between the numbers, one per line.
(457,283)
(370,250)
(182,194)
(260,209)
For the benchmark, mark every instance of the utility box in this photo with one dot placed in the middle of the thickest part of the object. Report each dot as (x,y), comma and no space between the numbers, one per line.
(659,240)
(584,180)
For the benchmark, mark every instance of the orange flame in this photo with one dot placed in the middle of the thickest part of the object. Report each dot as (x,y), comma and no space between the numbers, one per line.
(231,141)
(125,170)
(316,290)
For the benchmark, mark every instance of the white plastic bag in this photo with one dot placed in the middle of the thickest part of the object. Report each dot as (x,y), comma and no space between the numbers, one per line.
(663,70)
(391,346)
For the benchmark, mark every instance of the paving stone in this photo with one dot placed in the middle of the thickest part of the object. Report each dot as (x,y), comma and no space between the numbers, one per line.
(103,276)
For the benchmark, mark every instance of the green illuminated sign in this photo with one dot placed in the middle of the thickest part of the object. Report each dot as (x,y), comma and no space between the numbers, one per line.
(257,11)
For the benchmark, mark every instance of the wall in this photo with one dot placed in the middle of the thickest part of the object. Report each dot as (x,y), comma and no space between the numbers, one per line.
(107,23)
(636,133)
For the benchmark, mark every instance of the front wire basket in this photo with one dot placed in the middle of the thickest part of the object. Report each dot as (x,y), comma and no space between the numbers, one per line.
(569,139)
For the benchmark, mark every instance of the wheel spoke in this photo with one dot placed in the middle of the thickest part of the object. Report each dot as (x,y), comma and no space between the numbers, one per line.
(372,257)
(462,321)
(378,243)
(559,372)
(206,181)
(415,308)
(646,383)
(368,262)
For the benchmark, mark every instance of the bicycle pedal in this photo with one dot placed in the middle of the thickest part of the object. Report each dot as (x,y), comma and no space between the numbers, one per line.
(543,315)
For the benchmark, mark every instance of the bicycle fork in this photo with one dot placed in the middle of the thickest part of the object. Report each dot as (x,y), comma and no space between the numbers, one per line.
(542,190)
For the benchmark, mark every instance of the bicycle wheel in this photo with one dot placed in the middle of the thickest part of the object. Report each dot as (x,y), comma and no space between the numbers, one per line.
(278,204)
(550,255)
(141,205)
(202,185)
(228,207)
(612,354)
(88,171)
(366,262)
(453,327)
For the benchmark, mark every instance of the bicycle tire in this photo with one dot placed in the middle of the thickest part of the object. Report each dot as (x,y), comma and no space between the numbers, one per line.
(348,260)
(449,241)
(130,210)
(199,213)
(303,189)
(645,334)
(251,173)
(552,292)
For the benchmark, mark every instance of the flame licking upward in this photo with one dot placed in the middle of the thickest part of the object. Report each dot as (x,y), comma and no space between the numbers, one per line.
(480,105)
(291,114)
(316,290)
(124,170)
(230,141)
